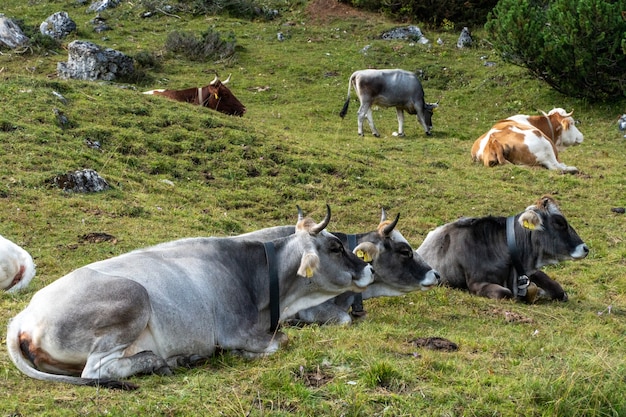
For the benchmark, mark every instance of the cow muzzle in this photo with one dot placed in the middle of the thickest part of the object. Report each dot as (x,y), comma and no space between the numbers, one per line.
(580,252)
(365,278)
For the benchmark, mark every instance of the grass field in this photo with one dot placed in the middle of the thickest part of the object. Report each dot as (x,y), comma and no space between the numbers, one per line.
(178,171)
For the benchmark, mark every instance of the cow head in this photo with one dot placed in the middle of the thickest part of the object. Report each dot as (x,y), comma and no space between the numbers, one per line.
(325,255)
(551,233)
(398,268)
(220,98)
(429,108)
(565,131)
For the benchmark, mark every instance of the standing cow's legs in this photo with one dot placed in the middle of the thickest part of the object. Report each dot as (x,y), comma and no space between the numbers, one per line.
(366,111)
(400,114)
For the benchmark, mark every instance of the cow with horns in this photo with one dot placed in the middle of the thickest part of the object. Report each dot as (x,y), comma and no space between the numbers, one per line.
(215,96)
(529,140)
(174,304)
(398,270)
(389,88)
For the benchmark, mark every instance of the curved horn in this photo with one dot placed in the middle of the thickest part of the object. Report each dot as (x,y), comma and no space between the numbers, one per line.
(227,79)
(321,226)
(300,213)
(569,114)
(383,215)
(216,79)
(389,228)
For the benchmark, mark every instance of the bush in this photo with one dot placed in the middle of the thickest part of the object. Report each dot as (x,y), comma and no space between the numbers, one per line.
(439,13)
(209,46)
(577,46)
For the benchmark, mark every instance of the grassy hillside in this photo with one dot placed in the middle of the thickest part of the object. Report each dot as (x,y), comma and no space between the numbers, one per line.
(177,170)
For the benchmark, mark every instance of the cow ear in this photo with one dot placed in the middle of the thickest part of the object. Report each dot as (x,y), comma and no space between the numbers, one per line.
(367,251)
(308,265)
(530,220)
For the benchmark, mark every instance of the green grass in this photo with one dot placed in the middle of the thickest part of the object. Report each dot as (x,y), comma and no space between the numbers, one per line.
(177,170)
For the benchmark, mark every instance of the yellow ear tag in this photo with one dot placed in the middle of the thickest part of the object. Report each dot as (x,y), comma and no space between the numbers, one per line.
(364,255)
(309,272)
(216,96)
(528,225)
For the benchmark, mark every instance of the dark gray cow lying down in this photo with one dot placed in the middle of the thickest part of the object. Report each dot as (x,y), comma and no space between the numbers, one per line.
(488,255)
(397,268)
(389,88)
(170,305)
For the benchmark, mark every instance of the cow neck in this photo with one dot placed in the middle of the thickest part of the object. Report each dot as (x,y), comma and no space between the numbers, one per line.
(357,303)
(551,128)
(519,285)
(272,270)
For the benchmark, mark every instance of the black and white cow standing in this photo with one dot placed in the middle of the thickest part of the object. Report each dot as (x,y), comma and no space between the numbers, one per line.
(398,270)
(491,256)
(170,305)
(389,88)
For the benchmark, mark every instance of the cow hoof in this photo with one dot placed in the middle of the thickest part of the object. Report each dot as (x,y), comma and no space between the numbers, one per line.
(377,135)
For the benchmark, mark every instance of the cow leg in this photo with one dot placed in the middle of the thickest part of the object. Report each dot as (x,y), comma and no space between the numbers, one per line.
(421,118)
(549,288)
(489,290)
(546,157)
(361,114)
(400,114)
(327,312)
(366,111)
(258,344)
(113,365)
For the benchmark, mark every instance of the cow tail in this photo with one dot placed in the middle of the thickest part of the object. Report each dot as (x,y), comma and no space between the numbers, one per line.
(17,356)
(344,110)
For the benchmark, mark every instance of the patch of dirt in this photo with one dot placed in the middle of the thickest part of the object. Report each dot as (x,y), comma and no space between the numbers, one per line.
(325,10)
(315,378)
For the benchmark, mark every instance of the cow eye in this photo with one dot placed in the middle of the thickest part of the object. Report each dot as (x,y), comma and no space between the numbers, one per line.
(560,222)
(406,252)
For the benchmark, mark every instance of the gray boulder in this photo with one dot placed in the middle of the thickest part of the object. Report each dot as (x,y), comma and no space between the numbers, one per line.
(88,61)
(465,39)
(11,35)
(81,181)
(412,33)
(100,5)
(57,26)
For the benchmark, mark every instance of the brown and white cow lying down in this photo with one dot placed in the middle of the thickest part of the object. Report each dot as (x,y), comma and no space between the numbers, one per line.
(483,255)
(173,304)
(17,268)
(215,96)
(529,140)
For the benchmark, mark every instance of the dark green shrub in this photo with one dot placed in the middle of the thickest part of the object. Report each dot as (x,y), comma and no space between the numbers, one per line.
(209,46)
(438,13)
(577,46)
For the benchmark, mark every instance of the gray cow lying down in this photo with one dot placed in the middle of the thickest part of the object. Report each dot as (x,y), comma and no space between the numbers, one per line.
(171,305)
(398,269)
(495,256)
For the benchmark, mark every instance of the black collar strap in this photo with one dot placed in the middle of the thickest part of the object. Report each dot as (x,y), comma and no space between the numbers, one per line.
(357,303)
(270,255)
(520,285)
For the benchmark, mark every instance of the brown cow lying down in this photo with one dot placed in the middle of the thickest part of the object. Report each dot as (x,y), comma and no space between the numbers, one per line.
(529,140)
(489,255)
(215,96)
